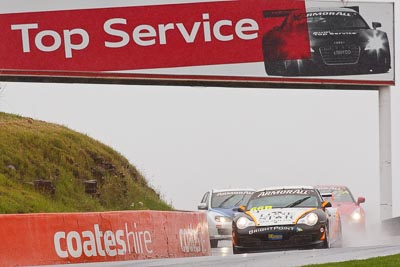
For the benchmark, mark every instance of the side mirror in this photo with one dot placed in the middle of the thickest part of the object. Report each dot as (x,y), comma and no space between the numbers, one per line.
(202,206)
(326,195)
(242,208)
(376,25)
(360,200)
(326,204)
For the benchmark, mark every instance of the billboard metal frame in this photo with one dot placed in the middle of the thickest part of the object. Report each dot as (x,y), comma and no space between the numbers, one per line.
(28,60)
(385,163)
(185,81)
(111,77)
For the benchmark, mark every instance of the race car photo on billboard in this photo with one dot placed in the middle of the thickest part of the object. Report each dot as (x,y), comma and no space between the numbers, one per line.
(221,205)
(341,43)
(287,217)
(351,212)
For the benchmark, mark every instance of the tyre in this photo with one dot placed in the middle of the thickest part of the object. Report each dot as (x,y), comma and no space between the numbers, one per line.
(339,241)
(327,241)
(235,250)
(274,68)
(282,68)
(214,243)
(384,65)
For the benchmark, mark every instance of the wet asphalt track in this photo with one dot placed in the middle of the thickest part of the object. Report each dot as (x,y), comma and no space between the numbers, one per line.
(365,247)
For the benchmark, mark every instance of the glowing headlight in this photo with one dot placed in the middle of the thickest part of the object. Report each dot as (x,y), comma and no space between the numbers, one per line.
(244,222)
(356,215)
(375,42)
(222,219)
(310,219)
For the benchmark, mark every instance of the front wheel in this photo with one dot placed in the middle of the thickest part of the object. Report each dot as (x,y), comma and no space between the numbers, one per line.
(327,241)
(384,65)
(339,241)
(282,68)
(214,243)
(235,250)
(274,68)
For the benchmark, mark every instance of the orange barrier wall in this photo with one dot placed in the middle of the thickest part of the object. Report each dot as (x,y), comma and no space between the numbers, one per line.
(57,238)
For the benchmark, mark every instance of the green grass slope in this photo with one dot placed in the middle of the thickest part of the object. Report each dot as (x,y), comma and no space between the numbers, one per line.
(32,150)
(385,261)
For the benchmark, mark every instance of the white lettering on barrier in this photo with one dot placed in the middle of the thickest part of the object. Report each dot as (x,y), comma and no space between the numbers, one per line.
(96,243)
(190,240)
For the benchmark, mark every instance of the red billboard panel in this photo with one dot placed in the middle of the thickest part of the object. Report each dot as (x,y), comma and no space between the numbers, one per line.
(292,41)
(62,238)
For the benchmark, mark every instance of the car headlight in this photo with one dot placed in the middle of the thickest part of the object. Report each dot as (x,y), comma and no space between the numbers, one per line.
(356,215)
(222,219)
(375,42)
(244,222)
(310,219)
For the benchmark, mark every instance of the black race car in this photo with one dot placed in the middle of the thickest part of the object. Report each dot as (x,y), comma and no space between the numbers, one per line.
(341,43)
(285,217)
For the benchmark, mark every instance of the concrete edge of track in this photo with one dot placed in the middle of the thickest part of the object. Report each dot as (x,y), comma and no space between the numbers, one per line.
(391,226)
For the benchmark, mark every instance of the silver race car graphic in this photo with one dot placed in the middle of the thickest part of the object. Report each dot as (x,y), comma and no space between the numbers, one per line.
(341,43)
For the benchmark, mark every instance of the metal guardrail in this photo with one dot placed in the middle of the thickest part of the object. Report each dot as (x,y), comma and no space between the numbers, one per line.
(391,226)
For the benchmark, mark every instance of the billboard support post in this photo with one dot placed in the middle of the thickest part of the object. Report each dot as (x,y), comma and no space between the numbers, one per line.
(385,153)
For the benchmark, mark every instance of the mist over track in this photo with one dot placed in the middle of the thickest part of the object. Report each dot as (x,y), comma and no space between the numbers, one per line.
(372,245)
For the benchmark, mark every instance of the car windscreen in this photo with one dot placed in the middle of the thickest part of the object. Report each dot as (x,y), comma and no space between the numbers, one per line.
(283,199)
(335,21)
(230,199)
(338,195)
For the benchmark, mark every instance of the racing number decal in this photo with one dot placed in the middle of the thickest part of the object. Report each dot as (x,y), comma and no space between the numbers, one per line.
(261,208)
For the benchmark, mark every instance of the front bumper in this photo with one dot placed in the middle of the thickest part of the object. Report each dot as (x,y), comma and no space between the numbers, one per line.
(323,62)
(351,225)
(294,237)
(221,231)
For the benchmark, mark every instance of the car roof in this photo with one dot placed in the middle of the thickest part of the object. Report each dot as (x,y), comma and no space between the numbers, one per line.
(287,187)
(330,9)
(332,187)
(232,189)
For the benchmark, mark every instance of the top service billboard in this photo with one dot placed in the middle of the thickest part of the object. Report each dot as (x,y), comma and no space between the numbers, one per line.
(251,41)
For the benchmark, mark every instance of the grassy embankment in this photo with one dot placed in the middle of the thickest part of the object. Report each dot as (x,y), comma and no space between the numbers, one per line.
(32,150)
(387,261)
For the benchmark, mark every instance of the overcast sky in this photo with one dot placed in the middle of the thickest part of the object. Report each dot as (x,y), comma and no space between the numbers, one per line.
(187,140)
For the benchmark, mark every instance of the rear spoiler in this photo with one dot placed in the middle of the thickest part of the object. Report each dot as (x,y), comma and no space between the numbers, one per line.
(355,8)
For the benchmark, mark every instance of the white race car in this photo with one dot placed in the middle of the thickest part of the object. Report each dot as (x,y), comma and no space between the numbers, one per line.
(221,206)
